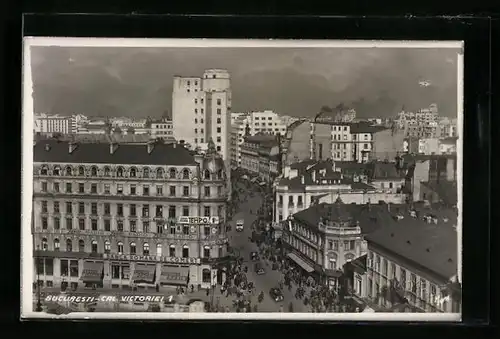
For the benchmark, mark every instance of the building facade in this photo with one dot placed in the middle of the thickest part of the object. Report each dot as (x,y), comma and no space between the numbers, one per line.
(127,216)
(412,259)
(256,152)
(306,183)
(52,124)
(201,110)
(162,128)
(322,239)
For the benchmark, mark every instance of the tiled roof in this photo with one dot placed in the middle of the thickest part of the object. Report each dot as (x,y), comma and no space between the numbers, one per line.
(433,246)
(162,154)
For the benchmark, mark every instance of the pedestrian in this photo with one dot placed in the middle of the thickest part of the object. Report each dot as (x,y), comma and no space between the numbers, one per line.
(192,288)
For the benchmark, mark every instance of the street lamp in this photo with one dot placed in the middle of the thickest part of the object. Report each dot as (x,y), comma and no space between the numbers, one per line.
(39,301)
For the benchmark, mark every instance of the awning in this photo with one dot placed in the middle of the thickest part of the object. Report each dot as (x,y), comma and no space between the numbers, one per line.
(300,262)
(92,272)
(174,275)
(144,274)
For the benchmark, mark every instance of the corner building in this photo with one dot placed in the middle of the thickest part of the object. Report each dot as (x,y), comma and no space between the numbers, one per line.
(127,216)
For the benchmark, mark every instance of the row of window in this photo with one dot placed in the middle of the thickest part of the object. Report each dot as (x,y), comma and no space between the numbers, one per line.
(106,189)
(132,248)
(133,172)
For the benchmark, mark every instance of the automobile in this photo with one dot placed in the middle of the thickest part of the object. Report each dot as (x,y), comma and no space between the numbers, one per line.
(254,256)
(259,269)
(276,294)
(239,225)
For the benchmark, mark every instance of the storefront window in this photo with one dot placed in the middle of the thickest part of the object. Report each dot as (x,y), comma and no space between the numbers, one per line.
(64,268)
(158,250)
(81,246)
(73,268)
(126,271)
(185,251)
(206,275)
(206,252)
(40,267)
(49,266)
(115,271)
(171,251)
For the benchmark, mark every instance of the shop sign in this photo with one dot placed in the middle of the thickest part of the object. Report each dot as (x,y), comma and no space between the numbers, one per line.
(198,220)
(151,258)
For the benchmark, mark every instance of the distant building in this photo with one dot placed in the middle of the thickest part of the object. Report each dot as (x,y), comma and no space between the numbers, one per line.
(201,109)
(162,128)
(52,124)
(305,183)
(256,151)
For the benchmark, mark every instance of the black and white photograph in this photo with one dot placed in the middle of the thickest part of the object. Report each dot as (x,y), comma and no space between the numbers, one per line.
(242,179)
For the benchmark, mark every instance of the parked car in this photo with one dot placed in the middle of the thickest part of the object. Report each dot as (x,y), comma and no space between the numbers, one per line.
(276,294)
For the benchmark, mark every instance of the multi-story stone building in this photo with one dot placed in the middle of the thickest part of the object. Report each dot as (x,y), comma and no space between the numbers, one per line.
(44,123)
(201,110)
(323,238)
(413,259)
(126,216)
(162,128)
(304,183)
(256,153)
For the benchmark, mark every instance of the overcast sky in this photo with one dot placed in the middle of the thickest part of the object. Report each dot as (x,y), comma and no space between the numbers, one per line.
(116,81)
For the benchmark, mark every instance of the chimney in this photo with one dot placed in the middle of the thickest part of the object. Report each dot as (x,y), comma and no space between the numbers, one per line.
(302,180)
(151,146)
(113,147)
(47,147)
(72,146)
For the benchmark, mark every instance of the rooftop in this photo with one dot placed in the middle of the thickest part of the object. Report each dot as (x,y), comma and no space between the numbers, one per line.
(423,235)
(98,138)
(384,171)
(56,151)
(363,127)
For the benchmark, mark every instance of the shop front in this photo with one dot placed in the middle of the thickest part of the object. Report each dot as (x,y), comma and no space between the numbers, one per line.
(92,274)
(173,276)
(144,276)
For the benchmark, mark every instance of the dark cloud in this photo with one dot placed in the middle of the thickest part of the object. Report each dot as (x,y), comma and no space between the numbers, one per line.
(138,81)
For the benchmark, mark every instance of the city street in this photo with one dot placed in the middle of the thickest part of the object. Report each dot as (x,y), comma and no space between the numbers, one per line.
(241,242)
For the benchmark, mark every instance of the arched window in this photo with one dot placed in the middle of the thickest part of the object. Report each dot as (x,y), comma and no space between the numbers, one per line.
(107,246)
(133,172)
(81,245)
(93,171)
(94,246)
(107,171)
(81,171)
(45,245)
(158,250)
(119,172)
(171,251)
(44,170)
(57,245)
(145,249)
(172,173)
(120,247)
(206,174)
(69,171)
(185,251)
(69,245)
(145,172)
(206,275)
(159,173)
(132,248)
(185,174)
(57,170)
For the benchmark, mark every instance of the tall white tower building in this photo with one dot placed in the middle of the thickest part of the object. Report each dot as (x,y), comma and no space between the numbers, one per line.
(201,110)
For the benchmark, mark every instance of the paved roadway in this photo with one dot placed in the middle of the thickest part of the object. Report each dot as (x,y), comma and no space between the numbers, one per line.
(240,241)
